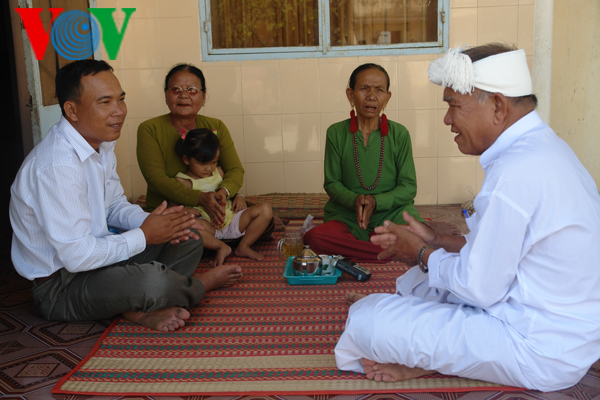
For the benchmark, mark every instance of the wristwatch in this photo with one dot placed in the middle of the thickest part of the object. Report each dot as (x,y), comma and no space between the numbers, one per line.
(422,265)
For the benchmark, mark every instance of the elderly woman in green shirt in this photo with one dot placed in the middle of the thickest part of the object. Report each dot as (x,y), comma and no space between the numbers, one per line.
(185,94)
(369,172)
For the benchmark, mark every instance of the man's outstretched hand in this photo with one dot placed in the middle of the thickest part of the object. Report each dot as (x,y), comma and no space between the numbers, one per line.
(401,242)
(420,229)
(169,225)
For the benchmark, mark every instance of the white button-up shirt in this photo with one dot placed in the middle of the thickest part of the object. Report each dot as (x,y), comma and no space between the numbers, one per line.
(63,200)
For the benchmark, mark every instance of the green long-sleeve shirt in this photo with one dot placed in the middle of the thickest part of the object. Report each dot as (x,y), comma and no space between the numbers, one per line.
(160,163)
(397,187)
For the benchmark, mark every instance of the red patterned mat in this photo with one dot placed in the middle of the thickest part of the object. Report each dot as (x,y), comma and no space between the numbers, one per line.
(261,336)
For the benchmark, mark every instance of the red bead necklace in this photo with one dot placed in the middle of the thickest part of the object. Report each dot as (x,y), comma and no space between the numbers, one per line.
(355,148)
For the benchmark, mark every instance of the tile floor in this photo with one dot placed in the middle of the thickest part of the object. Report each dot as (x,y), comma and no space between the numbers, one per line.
(36,353)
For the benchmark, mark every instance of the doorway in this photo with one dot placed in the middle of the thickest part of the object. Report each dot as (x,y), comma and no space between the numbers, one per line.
(12,153)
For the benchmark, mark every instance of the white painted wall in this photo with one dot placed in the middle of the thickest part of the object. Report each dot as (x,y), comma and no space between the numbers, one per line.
(576,79)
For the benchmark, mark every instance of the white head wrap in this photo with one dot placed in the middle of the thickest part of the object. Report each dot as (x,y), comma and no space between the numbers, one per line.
(505,73)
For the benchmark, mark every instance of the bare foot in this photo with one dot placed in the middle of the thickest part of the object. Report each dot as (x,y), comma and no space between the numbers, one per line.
(243,250)
(166,320)
(222,252)
(280,223)
(352,297)
(221,276)
(391,372)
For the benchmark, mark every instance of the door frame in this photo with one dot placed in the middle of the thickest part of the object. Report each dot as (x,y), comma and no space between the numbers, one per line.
(41,117)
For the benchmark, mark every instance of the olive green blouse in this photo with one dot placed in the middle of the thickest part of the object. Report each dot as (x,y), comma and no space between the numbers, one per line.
(160,163)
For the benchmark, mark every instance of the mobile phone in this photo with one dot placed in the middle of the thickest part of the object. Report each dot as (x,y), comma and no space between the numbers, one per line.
(351,268)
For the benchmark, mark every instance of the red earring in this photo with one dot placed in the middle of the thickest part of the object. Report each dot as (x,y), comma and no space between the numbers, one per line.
(353,122)
(384,127)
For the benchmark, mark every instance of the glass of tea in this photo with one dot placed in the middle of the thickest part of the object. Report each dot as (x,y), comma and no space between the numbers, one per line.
(291,244)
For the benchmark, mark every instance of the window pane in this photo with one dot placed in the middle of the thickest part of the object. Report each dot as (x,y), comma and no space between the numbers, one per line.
(368,22)
(264,23)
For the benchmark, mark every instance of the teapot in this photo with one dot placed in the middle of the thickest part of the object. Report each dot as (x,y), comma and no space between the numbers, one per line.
(307,262)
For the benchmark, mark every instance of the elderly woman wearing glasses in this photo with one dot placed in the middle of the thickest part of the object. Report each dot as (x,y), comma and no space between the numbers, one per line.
(185,94)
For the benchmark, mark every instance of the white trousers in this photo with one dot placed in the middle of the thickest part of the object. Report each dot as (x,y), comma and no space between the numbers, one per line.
(422,327)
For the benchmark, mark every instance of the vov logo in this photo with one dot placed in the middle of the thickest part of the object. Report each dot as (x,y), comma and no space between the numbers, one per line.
(74,34)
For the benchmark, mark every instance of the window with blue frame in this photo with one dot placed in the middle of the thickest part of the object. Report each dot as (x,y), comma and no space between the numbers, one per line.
(260,29)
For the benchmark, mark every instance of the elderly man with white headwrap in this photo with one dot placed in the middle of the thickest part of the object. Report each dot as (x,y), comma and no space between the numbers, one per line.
(517,300)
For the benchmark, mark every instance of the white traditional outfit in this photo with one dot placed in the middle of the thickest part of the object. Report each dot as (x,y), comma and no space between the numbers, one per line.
(520,304)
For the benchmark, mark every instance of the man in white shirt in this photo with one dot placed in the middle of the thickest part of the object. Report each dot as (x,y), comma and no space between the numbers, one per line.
(517,300)
(66,195)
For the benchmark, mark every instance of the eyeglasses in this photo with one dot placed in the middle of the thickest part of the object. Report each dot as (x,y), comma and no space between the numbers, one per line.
(178,90)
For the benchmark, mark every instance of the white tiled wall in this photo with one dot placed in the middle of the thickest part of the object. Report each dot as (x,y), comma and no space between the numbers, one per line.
(278,110)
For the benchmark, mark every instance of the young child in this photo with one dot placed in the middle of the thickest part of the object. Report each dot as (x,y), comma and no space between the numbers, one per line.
(200,149)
